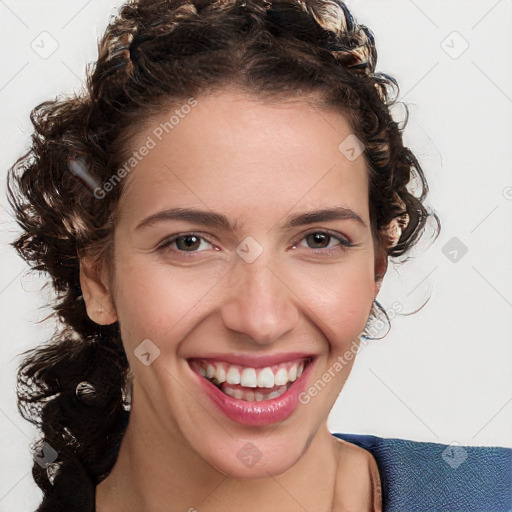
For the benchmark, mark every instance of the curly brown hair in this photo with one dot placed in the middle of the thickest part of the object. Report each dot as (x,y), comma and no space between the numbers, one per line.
(156,53)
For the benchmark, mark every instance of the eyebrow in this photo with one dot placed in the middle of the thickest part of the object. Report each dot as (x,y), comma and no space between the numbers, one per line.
(220,221)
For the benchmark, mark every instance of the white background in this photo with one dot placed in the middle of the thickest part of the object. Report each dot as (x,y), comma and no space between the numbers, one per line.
(443,374)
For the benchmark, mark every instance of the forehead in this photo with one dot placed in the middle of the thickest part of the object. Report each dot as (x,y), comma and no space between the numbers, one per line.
(233,151)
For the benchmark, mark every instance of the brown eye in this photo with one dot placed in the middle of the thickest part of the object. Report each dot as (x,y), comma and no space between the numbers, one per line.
(325,242)
(190,242)
(318,240)
(185,243)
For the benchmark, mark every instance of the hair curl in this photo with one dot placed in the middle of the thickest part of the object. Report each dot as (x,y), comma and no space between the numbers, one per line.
(155,53)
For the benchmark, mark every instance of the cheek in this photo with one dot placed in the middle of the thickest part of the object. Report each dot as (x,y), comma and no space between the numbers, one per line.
(154,299)
(339,298)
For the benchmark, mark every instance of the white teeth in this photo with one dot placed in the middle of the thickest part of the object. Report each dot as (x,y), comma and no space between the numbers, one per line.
(237,393)
(281,377)
(253,396)
(233,376)
(266,378)
(220,374)
(248,378)
(230,392)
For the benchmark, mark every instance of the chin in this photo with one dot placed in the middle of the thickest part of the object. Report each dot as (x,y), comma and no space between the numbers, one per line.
(245,460)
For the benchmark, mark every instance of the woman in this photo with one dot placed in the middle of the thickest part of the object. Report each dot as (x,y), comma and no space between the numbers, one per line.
(216,212)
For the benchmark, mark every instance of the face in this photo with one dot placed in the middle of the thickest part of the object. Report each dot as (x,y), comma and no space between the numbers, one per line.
(246,287)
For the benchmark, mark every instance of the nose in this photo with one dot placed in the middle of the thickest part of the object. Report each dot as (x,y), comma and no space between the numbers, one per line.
(259,302)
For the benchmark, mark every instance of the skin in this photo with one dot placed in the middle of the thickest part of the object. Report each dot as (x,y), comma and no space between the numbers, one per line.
(256,164)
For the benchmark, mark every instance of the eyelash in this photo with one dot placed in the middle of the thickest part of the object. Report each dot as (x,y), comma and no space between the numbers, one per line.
(343,245)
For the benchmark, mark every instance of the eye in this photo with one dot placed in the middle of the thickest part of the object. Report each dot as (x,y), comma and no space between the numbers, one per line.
(187,242)
(322,242)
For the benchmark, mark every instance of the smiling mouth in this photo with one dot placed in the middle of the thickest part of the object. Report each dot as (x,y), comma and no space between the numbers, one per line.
(251,384)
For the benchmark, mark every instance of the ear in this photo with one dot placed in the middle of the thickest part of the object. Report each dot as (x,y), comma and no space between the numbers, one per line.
(96,293)
(381,267)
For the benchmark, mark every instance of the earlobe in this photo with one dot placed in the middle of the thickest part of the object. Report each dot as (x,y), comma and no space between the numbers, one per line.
(380,272)
(378,283)
(96,294)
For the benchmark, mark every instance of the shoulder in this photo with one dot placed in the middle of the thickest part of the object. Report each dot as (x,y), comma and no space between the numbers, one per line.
(358,478)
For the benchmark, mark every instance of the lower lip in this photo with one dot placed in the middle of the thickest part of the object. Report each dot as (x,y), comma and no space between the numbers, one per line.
(257,414)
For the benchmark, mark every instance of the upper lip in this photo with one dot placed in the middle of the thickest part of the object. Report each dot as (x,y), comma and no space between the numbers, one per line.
(254,360)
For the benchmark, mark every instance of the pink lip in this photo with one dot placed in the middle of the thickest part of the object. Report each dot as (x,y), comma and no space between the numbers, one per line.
(256,414)
(254,360)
